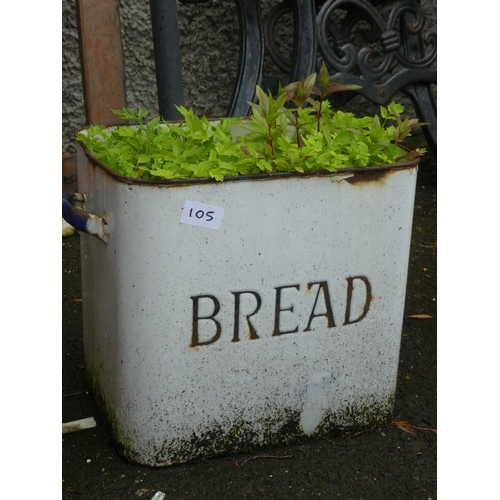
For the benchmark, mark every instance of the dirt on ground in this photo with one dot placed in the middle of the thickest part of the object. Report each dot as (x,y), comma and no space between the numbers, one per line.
(396,462)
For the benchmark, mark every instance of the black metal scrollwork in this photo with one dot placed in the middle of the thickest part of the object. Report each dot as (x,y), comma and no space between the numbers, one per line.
(378,45)
(403,62)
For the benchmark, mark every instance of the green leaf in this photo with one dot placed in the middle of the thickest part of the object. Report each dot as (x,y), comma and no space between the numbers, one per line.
(343,137)
(141,114)
(263,100)
(143,158)
(324,76)
(340,87)
(217,174)
(265,165)
(125,132)
(256,127)
(259,118)
(162,173)
(315,104)
(152,124)
(396,109)
(125,114)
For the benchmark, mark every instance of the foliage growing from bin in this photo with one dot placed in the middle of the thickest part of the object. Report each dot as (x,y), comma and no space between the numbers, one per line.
(288,132)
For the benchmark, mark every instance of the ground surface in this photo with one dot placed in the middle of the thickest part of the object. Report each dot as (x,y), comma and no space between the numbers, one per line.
(386,464)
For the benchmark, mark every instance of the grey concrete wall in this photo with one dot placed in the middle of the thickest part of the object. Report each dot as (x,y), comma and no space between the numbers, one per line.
(208,37)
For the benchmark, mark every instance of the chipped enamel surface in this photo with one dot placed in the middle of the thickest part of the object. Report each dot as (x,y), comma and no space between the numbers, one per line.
(284,324)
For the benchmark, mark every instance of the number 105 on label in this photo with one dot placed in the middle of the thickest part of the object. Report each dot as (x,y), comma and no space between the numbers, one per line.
(201,215)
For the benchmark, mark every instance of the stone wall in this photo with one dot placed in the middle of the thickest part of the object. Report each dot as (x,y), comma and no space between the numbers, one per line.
(208,40)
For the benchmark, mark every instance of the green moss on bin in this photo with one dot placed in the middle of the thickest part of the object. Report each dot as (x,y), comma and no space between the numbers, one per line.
(224,438)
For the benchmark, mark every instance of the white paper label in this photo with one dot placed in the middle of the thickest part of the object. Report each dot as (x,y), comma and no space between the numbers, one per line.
(199,214)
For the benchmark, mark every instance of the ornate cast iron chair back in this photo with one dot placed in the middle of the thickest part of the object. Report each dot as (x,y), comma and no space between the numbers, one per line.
(379,45)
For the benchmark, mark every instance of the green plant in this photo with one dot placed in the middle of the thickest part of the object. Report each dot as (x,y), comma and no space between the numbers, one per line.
(291,131)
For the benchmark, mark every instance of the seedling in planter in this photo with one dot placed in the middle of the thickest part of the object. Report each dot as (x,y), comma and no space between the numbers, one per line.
(300,93)
(293,131)
(268,119)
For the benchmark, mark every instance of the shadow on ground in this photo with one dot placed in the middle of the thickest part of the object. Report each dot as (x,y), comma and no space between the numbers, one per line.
(387,464)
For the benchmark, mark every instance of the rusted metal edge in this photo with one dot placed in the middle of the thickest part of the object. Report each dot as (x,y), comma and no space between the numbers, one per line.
(237,178)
